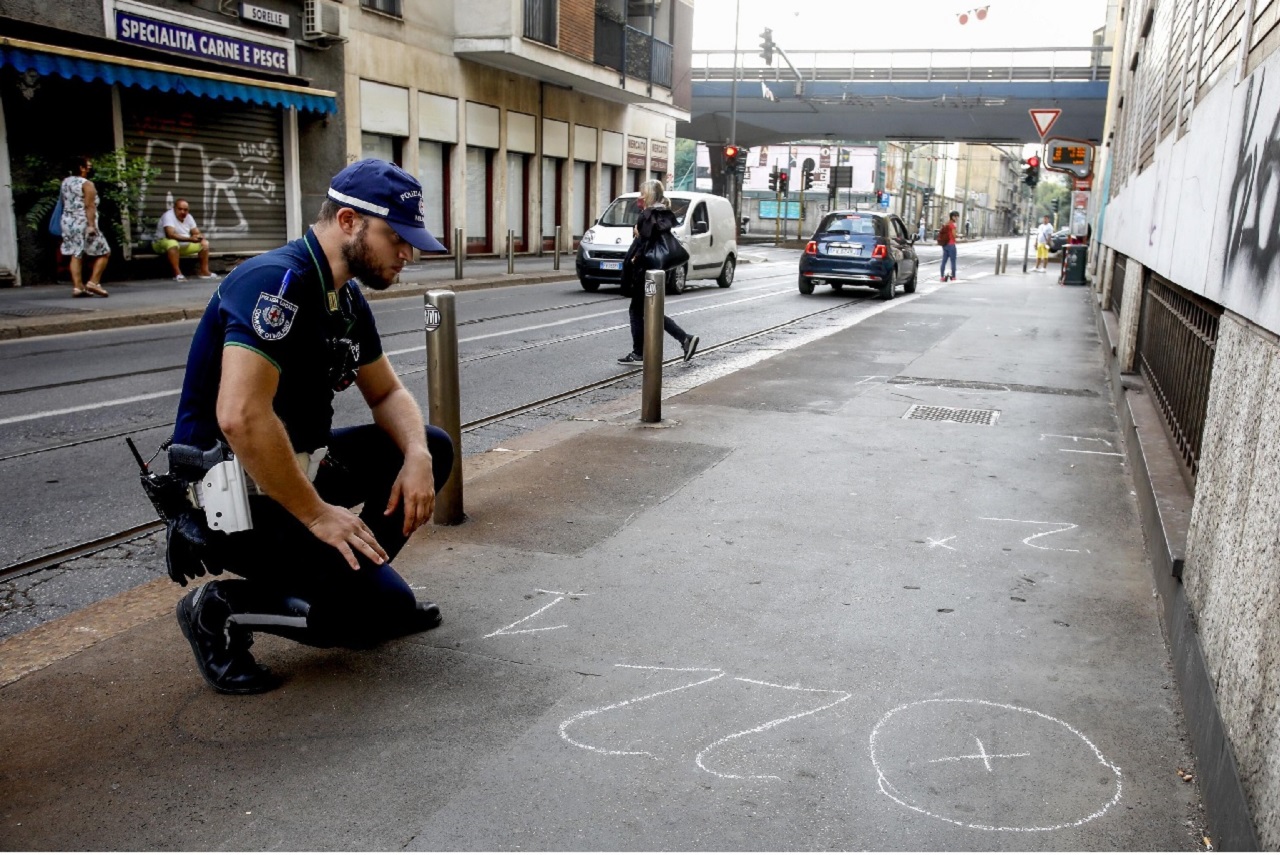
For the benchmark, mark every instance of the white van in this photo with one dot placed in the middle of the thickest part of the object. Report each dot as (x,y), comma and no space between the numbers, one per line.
(704,227)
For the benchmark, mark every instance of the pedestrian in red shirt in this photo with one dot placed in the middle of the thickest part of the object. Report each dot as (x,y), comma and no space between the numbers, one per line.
(947,240)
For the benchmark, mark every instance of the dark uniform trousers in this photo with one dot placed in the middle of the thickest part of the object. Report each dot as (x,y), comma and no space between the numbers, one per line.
(289,573)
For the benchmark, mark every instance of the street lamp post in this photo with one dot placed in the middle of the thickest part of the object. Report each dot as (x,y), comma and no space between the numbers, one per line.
(735,185)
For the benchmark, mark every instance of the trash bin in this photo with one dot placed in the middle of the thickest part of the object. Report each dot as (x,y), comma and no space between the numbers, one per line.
(1073,263)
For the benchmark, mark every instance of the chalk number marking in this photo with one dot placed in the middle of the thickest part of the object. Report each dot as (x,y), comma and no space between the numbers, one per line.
(701,758)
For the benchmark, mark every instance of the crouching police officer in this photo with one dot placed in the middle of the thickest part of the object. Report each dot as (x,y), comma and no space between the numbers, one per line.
(283,333)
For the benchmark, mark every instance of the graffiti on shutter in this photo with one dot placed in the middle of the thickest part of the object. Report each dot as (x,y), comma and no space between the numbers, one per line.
(225,158)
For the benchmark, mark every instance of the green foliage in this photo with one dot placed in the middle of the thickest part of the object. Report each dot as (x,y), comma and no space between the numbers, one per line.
(1053,185)
(685,168)
(119,177)
(35,187)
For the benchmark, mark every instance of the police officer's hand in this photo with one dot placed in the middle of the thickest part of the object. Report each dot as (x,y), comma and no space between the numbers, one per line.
(415,487)
(347,533)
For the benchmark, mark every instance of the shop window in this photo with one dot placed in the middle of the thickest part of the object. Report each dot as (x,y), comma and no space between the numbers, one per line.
(580,199)
(383,147)
(479,199)
(551,168)
(518,198)
(608,186)
(433,174)
(634,177)
(386,7)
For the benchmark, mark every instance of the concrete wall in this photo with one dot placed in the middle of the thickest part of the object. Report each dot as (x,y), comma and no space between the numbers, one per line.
(1232,573)
(1204,215)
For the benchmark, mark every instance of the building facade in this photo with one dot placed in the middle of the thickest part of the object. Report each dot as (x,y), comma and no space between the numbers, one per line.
(225,106)
(520,115)
(524,117)
(1187,260)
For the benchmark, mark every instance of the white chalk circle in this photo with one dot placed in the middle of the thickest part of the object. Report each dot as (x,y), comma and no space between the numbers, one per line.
(991,767)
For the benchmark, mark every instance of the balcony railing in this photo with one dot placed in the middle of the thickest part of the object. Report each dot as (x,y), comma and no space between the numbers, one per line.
(632,52)
(540,18)
(918,64)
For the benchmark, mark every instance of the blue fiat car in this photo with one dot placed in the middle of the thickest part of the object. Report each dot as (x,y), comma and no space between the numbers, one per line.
(869,249)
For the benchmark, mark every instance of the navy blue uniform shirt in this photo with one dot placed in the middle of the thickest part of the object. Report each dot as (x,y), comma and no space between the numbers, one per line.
(285,306)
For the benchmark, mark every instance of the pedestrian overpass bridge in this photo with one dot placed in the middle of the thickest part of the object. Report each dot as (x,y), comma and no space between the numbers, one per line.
(955,94)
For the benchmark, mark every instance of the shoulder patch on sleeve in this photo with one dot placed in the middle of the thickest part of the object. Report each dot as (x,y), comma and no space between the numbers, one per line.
(273,316)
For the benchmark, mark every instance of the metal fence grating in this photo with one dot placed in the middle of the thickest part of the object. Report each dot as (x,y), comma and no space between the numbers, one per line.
(39,311)
(1117,282)
(927,413)
(1177,337)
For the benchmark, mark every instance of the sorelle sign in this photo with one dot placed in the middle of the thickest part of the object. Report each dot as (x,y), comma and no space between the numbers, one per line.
(259,15)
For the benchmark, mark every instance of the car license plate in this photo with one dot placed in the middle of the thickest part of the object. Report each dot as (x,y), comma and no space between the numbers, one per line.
(611,265)
(844,249)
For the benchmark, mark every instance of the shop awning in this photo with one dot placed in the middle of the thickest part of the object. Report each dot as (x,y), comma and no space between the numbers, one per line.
(86,65)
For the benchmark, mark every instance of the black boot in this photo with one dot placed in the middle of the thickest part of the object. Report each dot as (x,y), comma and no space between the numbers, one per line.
(426,616)
(221,647)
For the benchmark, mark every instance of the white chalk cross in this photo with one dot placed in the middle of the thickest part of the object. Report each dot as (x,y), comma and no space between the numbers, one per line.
(981,755)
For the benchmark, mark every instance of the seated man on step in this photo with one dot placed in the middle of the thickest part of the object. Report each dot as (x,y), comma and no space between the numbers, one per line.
(178,236)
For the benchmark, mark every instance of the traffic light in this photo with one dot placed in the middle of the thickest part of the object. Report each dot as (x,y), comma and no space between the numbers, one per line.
(806,180)
(784,181)
(773,179)
(1031,173)
(766,46)
(731,156)
(879,196)
(1056,203)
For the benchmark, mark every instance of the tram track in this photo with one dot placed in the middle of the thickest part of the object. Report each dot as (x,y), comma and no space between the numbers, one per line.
(126,375)
(89,547)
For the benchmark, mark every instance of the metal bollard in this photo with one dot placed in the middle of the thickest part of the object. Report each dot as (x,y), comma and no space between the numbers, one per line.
(655,288)
(556,264)
(443,408)
(1004,264)
(459,250)
(511,250)
(999,257)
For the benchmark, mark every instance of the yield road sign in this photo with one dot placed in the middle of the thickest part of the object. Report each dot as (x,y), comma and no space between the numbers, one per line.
(1043,119)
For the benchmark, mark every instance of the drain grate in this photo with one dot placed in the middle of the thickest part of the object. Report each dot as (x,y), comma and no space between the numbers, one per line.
(926,413)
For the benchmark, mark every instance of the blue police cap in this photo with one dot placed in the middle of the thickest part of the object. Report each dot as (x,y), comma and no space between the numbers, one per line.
(381,189)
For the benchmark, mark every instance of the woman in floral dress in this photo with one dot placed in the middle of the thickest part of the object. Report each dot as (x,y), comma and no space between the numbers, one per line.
(80,235)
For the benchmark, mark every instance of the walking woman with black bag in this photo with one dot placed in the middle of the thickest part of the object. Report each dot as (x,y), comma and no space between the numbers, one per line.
(654,248)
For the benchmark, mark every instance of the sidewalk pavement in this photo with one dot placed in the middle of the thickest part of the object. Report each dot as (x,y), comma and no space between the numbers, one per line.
(51,310)
(786,618)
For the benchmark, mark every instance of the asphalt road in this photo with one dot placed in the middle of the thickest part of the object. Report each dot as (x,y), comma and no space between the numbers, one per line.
(67,402)
(789,619)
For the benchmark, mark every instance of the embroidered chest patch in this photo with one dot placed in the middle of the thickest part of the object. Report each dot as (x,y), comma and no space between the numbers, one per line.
(273,316)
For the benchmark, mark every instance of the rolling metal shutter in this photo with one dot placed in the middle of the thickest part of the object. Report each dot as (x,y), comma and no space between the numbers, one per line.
(225,158)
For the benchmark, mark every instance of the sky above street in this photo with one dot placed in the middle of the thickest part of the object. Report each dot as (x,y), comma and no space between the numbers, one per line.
(865,24)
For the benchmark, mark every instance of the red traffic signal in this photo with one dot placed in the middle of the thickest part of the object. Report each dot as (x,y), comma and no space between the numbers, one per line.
(1033,162)
(731,152)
